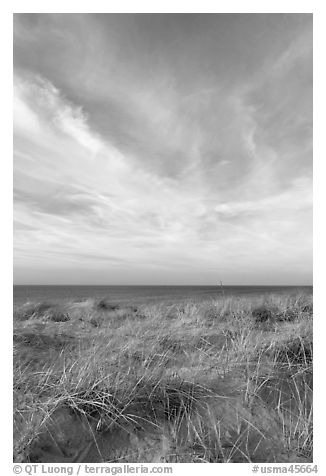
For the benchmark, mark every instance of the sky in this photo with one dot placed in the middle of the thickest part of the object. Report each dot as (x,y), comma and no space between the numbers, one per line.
(163,149)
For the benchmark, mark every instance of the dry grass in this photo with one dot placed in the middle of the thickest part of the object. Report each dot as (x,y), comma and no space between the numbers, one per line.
(185,382)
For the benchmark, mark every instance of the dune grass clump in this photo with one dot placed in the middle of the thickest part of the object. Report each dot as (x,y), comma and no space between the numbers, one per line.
(167,382)
(105,305)
(32,310)
(262,314)
(42,311)
(297,351)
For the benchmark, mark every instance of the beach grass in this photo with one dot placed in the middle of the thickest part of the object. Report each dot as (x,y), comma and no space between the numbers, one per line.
(223,380)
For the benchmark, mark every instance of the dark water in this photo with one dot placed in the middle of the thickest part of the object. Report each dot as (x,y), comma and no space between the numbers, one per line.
(141,294)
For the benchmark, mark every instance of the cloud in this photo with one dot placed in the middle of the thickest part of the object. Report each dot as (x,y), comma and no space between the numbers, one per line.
(55,199)
(161,161)
(54,109)
(298,197)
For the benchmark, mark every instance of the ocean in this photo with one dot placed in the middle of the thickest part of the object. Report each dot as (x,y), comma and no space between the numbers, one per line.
(141,294)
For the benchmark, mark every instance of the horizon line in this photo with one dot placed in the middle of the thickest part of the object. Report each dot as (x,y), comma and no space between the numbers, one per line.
(156,285)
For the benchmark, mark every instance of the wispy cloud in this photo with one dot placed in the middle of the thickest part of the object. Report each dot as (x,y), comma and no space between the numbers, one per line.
(298,197)
(142,164)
